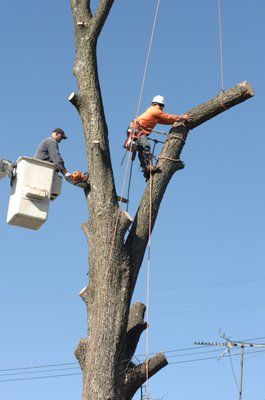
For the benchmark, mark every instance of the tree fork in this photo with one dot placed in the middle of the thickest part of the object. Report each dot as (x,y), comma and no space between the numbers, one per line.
(168,163)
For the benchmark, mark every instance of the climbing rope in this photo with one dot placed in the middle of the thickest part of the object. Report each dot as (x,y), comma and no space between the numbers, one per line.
(129,185)
(148,285)
(143,83)
(150,210)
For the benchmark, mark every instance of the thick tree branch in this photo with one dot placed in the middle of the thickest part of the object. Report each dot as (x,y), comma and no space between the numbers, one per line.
(136,326)
(138,236)
(136,376)
(102,14)
(221,103)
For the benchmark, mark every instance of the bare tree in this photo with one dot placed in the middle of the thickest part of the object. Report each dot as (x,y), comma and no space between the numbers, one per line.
(115,255)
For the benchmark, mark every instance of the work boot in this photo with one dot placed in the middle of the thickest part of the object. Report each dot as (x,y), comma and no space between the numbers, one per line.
(150,170)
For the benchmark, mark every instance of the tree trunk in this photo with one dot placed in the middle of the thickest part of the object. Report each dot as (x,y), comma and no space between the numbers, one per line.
(114,328)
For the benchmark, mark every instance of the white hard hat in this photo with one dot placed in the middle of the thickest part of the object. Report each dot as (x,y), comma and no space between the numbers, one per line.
(159,99)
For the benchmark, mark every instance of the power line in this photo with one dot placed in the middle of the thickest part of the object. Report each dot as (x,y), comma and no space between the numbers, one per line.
(213,358)
(38,366)
(38,371)
(137,355)
(203,285)
(230,344)
(38,377)
(79,373)
(220,308)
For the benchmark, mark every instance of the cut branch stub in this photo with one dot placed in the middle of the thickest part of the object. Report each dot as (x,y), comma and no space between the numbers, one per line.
(81,352)
(137,375)
(74,99)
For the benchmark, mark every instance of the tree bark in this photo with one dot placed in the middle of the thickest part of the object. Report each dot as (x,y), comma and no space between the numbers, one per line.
(105,355)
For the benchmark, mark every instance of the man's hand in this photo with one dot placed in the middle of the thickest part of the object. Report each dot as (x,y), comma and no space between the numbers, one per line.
(188,117)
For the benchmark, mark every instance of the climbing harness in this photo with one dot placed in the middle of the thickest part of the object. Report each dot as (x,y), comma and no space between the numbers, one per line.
(134,132)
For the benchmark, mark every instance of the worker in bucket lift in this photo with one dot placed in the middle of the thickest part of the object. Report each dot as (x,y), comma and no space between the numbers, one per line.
(48,150)
(142,126)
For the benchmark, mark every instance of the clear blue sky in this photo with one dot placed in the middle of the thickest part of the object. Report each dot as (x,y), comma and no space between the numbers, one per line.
(207,249)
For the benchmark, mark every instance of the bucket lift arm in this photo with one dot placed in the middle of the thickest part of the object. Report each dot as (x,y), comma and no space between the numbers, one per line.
(6,169)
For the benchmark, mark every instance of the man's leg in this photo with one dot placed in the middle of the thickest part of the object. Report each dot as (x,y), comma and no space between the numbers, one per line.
(144,152)
(145,157)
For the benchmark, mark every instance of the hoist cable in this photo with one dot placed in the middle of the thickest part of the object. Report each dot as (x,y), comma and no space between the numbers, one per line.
(129,185)
(147,58)
(148,280)
(145,72)
(221,45)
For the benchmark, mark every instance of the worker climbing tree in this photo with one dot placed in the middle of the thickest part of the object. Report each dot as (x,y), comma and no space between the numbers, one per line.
(116,253)
(143,125)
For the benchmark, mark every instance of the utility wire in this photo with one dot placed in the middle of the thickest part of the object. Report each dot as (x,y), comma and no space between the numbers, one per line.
(208,284)
(141,355)
(39,366)
(38,371)
(233,371)
(42,366)
(211,358)
(38,377)
(79,373)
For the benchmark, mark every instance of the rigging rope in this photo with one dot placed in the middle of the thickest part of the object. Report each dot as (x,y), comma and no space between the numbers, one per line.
(148,284)
(144,78)
(150,207)
(221,45)
(147,58)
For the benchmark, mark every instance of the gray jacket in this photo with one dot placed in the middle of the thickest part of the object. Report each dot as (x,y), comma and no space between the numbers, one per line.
(48,150)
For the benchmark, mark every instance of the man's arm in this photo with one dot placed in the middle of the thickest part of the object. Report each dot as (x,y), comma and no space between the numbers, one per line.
(56,156)
(169,119)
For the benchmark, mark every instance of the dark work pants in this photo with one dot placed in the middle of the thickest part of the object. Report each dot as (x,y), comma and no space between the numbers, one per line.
(144,152)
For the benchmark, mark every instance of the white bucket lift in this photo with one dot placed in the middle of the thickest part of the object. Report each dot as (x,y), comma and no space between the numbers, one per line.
(35,183)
